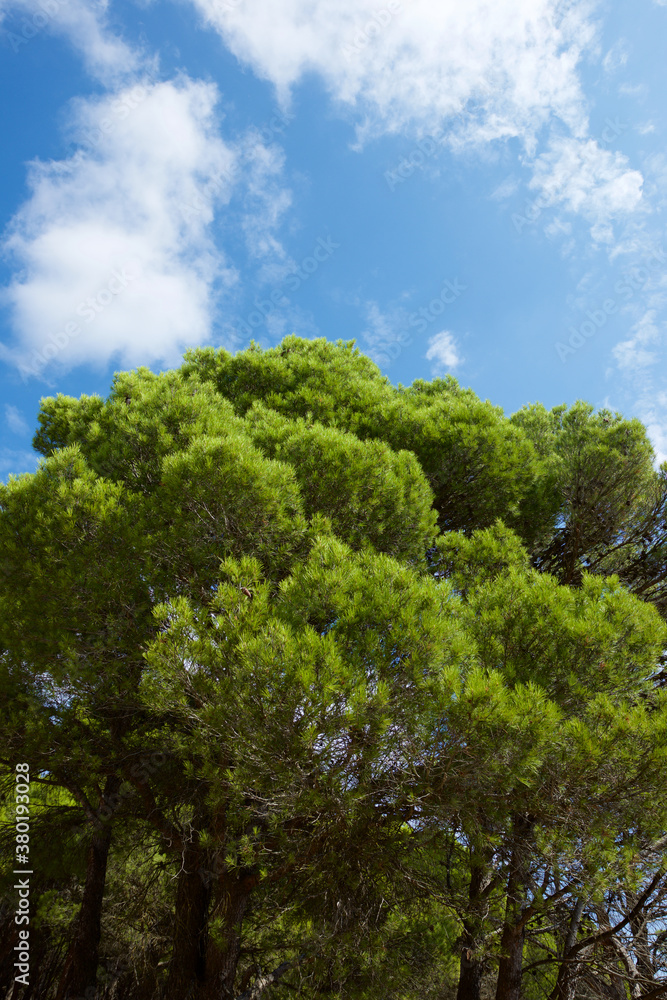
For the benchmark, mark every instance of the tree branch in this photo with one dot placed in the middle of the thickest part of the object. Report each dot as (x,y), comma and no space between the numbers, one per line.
(269,979)
(596,938)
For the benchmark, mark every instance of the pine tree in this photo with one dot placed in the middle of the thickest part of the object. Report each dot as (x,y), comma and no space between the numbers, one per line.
(324,683)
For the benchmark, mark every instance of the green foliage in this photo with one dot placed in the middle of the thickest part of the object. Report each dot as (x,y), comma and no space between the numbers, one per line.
(332,383)
(146,418)
(311,698)
(470,560)
(478,464)
(596,472)
(287,725)
(371,494)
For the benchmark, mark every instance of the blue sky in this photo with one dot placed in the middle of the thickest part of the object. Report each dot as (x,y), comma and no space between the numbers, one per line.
(478,189)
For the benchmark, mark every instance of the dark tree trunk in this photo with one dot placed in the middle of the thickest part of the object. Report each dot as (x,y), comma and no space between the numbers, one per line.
(511,963)
(511,944)
(470,974)
(471,969)
(80,969)
(187,968)
(235,897)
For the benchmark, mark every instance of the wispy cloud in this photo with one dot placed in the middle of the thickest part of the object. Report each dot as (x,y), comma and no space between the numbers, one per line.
(616,58)
(640,361)
(266,200)
(386,332)
(581,177)
(15,420)
(14,462)
(497,70)
(637,90)
(84,23)
(506,188)
(636,353)
(443,353)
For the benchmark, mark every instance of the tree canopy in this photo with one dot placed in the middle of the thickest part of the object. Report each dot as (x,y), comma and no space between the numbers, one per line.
(334,688)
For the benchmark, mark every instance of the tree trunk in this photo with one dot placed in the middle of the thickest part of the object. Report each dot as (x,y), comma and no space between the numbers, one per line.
(187,968)
(510,968)
(223,962)
(470,974)
(471,969)
(511,962)
(80,969)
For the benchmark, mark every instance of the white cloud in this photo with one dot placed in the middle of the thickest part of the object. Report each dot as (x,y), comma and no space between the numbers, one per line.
(657,433)
(15,420)
(497,70)
(638,90)
(615,58)
(13,463)
(655,170)
(465,73)
(381,324)
(557,228)
(634,355)
(265,203)
(386,332)
(651,409)
(443,353)
(506,189)
(582,177)
(83,22)
(116,240)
